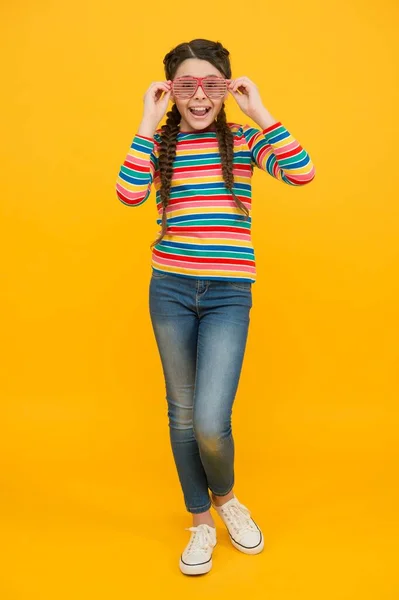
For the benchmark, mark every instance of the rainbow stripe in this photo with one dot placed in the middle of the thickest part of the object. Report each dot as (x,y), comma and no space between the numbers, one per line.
(208,236)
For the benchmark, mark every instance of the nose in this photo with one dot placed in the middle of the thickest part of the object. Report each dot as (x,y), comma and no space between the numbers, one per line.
(200,92)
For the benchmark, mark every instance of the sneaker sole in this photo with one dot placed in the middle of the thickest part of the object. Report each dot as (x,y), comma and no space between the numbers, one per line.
(198,569)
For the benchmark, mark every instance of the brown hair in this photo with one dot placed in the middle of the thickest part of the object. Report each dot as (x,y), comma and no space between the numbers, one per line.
(217,55)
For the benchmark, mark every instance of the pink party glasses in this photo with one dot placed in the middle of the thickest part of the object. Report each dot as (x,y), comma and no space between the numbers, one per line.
(213,86)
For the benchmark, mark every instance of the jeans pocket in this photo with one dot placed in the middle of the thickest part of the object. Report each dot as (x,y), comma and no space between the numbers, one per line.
(245,286)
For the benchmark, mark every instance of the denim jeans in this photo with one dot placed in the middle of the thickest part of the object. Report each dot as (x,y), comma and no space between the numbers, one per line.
(201,329)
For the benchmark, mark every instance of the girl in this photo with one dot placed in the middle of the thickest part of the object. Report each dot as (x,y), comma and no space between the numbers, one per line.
(203,267)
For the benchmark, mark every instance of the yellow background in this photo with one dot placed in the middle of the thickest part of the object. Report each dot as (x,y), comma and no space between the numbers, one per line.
(90,501)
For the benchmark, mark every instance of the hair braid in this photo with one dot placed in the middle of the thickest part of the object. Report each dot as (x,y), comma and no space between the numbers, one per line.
(226,150)
(167,153)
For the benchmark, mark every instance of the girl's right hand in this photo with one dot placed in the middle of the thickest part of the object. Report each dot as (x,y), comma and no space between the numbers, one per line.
(154,106)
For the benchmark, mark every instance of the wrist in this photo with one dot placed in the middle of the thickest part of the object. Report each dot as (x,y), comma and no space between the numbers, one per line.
(263,118)
(147,127)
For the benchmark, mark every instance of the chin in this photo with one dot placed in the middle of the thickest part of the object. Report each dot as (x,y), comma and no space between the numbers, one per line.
(202,124)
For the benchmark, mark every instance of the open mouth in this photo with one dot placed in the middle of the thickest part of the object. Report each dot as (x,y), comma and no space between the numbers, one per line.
(200,112)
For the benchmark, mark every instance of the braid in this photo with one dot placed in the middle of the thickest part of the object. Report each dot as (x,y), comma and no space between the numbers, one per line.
(167,153)
(226,149)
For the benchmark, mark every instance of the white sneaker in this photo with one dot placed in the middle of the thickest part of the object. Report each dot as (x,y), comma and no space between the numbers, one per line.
(197,555)
(244,533)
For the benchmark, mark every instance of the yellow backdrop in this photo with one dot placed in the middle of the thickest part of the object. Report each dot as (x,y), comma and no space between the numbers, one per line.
(90,501)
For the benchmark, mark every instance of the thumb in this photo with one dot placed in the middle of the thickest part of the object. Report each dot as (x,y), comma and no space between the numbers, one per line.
(234,94)
(162,101)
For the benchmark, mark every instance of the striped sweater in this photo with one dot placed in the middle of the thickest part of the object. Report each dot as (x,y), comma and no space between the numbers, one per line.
(208,236)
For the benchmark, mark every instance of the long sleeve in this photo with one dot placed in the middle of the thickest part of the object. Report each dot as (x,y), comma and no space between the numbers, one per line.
(133,185)
(276,151)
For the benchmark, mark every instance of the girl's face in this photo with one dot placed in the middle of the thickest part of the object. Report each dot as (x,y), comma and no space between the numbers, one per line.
(189,122)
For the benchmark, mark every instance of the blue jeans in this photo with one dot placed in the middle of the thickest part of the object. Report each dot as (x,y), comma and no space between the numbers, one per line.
(201,329)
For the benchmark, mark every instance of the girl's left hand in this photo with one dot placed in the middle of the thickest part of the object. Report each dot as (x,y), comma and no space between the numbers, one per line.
(249,100)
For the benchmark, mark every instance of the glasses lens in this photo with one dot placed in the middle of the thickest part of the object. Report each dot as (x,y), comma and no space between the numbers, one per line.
(214,87)
(184,87)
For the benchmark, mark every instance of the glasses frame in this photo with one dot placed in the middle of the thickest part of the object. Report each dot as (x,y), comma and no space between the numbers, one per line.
(199,83)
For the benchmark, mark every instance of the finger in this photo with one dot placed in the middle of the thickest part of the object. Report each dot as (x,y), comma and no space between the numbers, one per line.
(159,85)
(235,89)
(236,95)
(237,79)
(237,82)
(242,82)
(241,86)
(157,92)
(162,86)
(165,97)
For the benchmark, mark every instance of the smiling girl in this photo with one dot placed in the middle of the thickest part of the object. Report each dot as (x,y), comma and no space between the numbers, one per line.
(203,267)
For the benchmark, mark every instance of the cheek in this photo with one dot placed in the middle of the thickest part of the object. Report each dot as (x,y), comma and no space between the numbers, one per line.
(181,105)
(218,105)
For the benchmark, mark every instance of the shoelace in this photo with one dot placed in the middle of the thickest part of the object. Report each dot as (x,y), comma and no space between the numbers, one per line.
(239,516)
(201,539)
